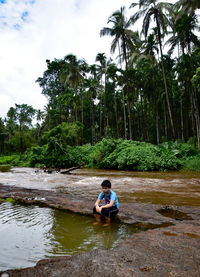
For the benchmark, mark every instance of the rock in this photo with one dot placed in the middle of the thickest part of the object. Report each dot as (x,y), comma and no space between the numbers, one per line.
(151,253)
(169,251)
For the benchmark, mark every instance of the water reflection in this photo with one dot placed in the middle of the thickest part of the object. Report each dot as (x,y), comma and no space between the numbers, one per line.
(23,235)
(31,233)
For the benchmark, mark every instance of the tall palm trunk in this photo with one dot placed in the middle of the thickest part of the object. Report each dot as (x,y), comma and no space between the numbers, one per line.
(116,116)
(165,80)
(105,108)
(100,111)
(165,120)
(182,125)
(128,91)
(76,112)
(197,118)
(123,100)
(92,121)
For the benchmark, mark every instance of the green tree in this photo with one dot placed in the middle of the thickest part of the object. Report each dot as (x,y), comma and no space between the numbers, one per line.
(73,75)
(122,38)
(159,11)
(24,115)
(53,89)
(3,135)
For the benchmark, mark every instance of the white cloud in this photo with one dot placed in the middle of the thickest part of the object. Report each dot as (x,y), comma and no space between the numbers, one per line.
(33,31)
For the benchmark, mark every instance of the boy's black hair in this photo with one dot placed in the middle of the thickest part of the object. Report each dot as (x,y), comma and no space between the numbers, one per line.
(106,183)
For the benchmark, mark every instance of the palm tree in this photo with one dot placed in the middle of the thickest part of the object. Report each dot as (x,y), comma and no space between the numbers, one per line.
(150,50)
(155,9)
(183,33)
(122,38)
(187,6)
(92,86)
(102,59)
(112,70)
(121,32)
(73,75)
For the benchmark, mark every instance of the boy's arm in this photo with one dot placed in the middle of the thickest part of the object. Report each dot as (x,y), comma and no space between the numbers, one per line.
(108,205)
(98,209)
(97,202)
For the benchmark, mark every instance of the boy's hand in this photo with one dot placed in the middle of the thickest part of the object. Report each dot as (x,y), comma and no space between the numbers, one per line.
(98,209)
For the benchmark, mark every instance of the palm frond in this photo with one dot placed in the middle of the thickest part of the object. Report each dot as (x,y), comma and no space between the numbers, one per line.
(105,32)
(114,45)
(146,23)
(133,5)
(137,16)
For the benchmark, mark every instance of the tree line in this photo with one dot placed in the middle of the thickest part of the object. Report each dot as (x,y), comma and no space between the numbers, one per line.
(141,93)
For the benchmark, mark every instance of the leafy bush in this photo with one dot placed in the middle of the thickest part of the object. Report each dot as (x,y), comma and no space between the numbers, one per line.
(133,155)
(100,151)
(110,154)
(7,159)
(65,133)
(192,163)
(180,149)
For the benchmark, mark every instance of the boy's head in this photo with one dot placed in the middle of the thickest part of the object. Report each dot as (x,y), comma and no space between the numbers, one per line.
(106,184)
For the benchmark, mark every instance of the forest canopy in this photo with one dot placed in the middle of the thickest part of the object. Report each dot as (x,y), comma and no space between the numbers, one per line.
(147,91)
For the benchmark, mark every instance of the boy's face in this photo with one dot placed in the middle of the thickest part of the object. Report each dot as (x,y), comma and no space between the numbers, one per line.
(106,190)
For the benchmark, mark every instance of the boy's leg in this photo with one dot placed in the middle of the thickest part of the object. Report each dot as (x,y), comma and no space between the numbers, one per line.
(107,221)
(109,213)
(97,216)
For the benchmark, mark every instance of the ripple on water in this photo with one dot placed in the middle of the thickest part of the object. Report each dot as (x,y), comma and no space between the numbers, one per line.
(31,233)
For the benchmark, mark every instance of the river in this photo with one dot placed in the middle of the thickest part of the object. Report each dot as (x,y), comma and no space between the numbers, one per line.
(31,233)
(167,188)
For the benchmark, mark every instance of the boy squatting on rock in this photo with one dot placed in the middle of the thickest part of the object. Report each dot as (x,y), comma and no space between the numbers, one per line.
(111,207)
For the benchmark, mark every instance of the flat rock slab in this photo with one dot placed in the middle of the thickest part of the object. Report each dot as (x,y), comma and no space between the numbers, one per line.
(130,213)
(161,252)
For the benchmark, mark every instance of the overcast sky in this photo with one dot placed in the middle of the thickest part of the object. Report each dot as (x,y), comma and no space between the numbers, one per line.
(32,31)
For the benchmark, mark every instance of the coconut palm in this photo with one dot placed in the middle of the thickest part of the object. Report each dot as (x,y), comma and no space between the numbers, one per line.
(121,32)
(183,33)
(122,38)
(159,11)
(187,6)
(102,59)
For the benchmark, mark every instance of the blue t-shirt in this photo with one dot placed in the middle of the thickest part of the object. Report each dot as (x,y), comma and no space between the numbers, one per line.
(112,196)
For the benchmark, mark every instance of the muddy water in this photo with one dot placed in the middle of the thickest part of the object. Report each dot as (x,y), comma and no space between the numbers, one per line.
(31,233)
(168,188)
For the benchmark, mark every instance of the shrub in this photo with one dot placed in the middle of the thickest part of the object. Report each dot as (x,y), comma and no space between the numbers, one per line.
(192,163)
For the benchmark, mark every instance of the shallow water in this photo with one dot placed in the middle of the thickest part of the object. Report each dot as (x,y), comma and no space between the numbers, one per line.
(167,188)
(31,233)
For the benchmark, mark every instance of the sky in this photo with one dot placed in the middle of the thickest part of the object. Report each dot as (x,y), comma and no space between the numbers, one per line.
(32,31)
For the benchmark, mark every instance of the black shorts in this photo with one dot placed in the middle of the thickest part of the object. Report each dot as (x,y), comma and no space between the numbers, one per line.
(107,212)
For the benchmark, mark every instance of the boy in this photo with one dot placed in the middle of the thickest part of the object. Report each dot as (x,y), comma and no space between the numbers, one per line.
(111,207)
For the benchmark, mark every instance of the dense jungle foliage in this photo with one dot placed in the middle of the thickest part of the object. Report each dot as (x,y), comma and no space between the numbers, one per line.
(134,110)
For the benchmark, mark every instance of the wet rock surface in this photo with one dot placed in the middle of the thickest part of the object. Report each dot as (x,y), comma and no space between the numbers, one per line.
(169,251)
(160,252)
(129,212)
